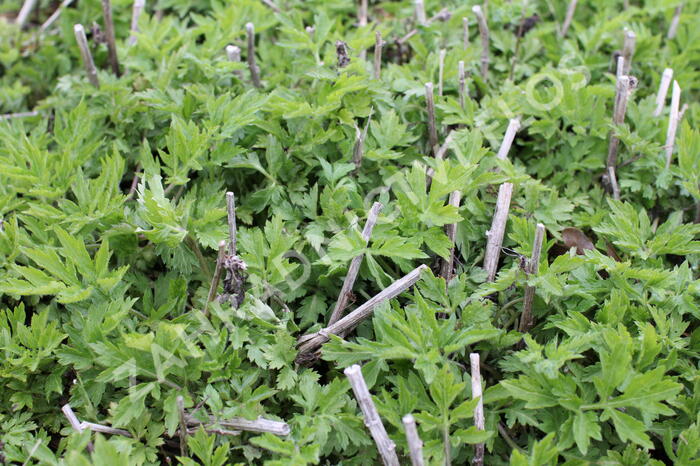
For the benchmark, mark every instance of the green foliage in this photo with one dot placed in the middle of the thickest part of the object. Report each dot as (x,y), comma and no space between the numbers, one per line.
(112,209)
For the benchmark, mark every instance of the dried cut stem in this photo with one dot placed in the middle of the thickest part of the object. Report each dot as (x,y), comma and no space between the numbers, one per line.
(526,320)
(507,143)
(183,425)
(484,32)
(55,15)
(497,231)
(24,12)
(212,430)
(447,270)
(81,426)
(354,268)
(479,410)
(672,123)
(628,49)
(462,84)
(620,108)
(415,445)
(465,33)
(217,276)
(72,418)
(109,34)
(239,423)
(252,65)
(387,448)
(233,54)
(439,155)
(359,147)
(442,15)
(308,344)
(420,13)
(231,213)
(11,116)
(138,7)
(614,186)
(89,64)
(665,83)
(362,13)
(441,70)
(378,45)
(430,107)
(673,28)
(620,69)
(104,429)
(570,11)
(271,5)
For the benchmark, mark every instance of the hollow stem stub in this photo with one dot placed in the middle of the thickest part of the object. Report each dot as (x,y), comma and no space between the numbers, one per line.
(484,33)
(252,64)
(665,83)
(415,445)
(89,64)
(430,107)
(387,448)
(477,392)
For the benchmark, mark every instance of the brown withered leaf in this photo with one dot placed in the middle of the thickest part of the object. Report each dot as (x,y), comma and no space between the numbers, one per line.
(575,238)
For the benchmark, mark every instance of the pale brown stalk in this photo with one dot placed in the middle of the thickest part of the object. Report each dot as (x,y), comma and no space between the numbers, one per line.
(526,319)
(89,64)
(109,35)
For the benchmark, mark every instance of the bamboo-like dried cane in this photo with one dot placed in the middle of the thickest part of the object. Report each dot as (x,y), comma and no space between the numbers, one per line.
(231,214)
(217,276)
(465,33)
(138,8)
(673,28)
(81,426)
(430,107)
(252,64)
(387,448)
(72,418)
(362,13)
(415,445)
(511,131)
(12,116)
(441,70)
(628,48)
(24,12)
(439,155)
(89,64)
(570,11)
(672,123)
(420,12)
(354,267)
(484,32)
(497,231)
(104,429)
(378,45)
(258,425)
(233,54)
(614,186)
(55,15)
(109,35)
(526,319)
(665,83)
(447,269)
(183,425)
(462,84)
(271,5)
(359,147)
(620,108)
(479,410)
(620,70)
(442,15)
(308,344)
(682,112)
